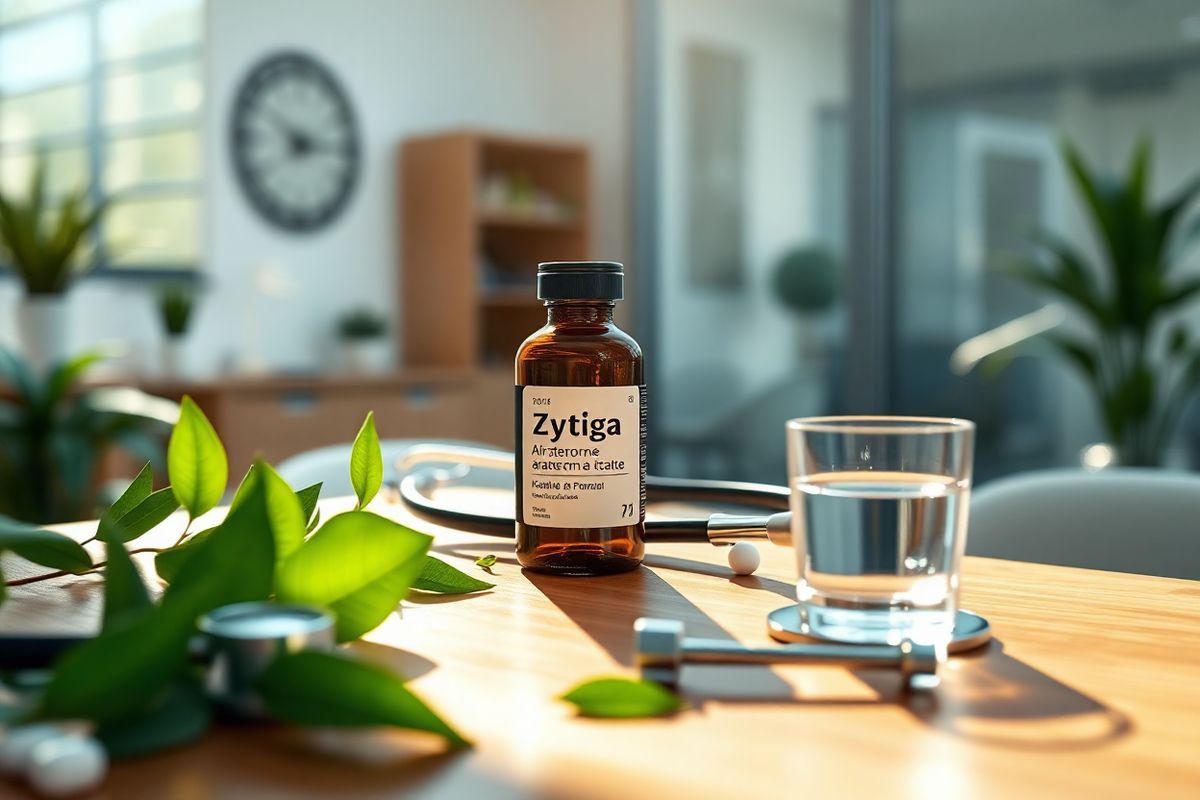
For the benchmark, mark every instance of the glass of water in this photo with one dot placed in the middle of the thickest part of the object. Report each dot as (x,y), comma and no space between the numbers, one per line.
(879,522)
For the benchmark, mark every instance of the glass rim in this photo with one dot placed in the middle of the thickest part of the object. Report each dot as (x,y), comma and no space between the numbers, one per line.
(880,424)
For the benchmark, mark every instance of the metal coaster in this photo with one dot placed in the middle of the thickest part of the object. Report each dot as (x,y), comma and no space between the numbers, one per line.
(970,630)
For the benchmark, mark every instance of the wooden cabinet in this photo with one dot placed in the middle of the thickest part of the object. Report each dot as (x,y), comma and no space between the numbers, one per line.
(467,293)
(278,417)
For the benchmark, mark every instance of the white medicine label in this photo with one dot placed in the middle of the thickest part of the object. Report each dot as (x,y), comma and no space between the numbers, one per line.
(581,455)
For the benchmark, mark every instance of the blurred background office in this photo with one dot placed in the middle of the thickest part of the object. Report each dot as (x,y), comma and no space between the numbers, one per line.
(309,209)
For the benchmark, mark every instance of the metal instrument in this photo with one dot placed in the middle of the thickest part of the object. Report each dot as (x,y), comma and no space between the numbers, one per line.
(426,468)
(662,651)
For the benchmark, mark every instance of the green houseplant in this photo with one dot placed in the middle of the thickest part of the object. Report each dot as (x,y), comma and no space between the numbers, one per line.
(806,283)
(176,304)
(54,434)
(1141,362)
(43,243)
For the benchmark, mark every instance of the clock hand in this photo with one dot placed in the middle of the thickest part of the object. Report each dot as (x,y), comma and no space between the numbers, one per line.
(299,142)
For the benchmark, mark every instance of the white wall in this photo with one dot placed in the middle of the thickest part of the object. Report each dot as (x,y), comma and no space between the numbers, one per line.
(542,67)
(795,64)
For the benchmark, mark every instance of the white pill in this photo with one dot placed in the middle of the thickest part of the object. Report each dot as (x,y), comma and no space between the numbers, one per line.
(744,558)
(67,765)
(16,745)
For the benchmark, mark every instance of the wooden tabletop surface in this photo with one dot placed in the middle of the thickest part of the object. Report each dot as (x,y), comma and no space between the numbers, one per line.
(1091,688)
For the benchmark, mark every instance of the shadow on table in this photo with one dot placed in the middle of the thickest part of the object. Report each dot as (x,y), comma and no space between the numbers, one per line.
(405,662)
(641,593)
(781,588)
(990,697)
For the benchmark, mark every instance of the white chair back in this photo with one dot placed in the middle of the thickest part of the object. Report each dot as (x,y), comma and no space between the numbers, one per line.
(1125,520)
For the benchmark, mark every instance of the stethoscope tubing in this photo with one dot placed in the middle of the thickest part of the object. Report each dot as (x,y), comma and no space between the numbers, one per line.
(417,478)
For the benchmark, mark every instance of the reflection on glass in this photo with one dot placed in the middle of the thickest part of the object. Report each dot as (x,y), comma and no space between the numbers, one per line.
(41,114)
(42,53)
(66,171)
(153,232)
(986,94)
(140,95)
(747,329)
(152,159)
(131,28)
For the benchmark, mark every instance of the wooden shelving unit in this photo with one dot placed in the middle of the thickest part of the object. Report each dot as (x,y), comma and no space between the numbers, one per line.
(467,273)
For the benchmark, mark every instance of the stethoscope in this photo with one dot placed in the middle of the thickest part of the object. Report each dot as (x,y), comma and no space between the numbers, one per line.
(425,469)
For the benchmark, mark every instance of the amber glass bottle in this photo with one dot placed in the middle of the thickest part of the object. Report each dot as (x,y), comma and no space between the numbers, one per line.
(581,414)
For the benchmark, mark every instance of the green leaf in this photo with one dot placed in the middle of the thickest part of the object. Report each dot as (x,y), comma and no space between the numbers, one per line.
(125,594)
(104,678)
(486,561)
(196,461)
(168,563)
(1079,354)
(1135,395)
(1180,293)
(314,522)
(331,690)
(366,463)
(1169,214)
(43,547)
(67,374)
(143,518)
(623,698)
(359,565)
(179,715)
(438,576)
(283,505)
(1101,200)
(308,497)
(16,373)
(1177,339)
(120,669)
(1072,278)
(235,563)
(137,491)
(12,713)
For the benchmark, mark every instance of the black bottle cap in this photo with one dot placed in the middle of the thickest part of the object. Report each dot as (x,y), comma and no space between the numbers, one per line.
(580,280)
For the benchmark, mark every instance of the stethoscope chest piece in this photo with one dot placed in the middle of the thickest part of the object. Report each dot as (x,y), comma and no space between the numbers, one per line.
(240,641)
(787,624)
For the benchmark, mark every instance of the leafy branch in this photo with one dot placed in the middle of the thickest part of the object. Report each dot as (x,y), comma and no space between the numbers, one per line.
(132,680)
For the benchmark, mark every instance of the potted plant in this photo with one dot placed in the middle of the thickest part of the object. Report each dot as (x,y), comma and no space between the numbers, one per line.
(1141,360)
(43,245)
(806,282)
(55,432)
(362,334)
(176,302)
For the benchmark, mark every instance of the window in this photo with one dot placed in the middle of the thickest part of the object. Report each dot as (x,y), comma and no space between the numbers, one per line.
(110,91)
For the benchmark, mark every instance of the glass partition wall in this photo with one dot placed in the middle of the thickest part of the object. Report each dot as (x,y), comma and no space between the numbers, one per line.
(748,310)
(987,94)
(910,150)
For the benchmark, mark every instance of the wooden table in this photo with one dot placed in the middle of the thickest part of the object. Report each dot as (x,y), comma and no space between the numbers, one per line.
(1091,689)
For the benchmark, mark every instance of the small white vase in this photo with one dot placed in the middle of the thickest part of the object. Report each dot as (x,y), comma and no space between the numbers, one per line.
(42,324)
(366,356)
(172,357)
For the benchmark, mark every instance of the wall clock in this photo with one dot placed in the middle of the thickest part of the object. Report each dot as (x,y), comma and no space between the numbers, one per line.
(295,142)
